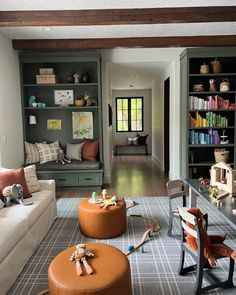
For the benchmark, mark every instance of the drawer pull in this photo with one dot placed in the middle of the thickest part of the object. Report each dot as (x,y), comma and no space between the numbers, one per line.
(62,179)
(87,178)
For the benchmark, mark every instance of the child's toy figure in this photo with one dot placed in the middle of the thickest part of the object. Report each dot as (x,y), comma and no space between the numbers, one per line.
(213,244)
(109,202)
(79,256)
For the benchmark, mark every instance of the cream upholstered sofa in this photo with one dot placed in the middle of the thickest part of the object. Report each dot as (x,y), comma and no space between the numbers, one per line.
(21,230)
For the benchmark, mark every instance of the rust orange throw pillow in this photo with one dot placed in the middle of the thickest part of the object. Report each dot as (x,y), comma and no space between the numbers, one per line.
(90,149)
(14,176)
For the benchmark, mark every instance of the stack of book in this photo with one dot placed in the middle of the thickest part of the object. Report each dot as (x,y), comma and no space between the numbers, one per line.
(196,137)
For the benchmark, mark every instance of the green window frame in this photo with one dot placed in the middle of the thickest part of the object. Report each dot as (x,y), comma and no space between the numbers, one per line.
(129,114)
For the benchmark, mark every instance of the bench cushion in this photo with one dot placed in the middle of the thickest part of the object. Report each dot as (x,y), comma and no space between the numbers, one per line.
(74,165)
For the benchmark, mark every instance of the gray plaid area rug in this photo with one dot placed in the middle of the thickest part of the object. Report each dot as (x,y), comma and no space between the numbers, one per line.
(153,272)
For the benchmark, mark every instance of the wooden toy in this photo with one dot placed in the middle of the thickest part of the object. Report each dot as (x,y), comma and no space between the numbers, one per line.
(223,176)
(154,227)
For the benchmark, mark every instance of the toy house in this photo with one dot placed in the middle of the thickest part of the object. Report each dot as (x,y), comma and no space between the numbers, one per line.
(223,176)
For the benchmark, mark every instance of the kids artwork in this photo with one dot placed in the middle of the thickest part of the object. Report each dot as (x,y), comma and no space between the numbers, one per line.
(82,125)
(53,124)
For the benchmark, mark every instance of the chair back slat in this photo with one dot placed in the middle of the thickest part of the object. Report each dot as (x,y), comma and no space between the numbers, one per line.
(188,217)
(189,230)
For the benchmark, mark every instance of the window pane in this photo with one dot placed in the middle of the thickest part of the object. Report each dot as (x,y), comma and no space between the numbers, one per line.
(133,114)
(133,103)
(119,115)
(125,103)
(139,115)
(119,103)
(133,125)
(139,103)
(139,125)
(125,126)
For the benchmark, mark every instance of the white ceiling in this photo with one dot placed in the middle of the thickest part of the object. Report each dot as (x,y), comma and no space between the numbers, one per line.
(121,74)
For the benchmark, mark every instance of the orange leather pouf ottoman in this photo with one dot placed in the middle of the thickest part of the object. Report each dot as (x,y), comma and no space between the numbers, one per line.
(111,273)
(99,223)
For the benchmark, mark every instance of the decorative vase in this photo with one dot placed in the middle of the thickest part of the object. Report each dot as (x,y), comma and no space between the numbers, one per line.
(69,78)
(85,77)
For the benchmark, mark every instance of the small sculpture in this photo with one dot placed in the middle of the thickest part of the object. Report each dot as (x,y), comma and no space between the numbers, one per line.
(14,194)
(94,197)
(109,202)
(79,256)
(104,192)
(212,83)
(76,78)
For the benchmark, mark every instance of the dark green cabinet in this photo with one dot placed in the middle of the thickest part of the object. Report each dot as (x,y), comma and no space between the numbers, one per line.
(207,112)
(64,64)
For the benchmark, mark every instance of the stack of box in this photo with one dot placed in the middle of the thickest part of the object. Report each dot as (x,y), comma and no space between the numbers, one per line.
(46,76)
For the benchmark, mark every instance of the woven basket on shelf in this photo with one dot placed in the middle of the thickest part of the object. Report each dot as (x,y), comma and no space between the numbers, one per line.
(221,155)
(79,102)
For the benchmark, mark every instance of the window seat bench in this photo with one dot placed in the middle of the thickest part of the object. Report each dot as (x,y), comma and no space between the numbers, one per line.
(135,149)
(75,174)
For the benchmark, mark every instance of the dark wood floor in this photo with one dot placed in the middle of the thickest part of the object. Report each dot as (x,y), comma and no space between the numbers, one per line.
(132,176)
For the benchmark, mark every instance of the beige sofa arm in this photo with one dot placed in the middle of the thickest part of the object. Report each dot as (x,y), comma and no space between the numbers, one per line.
(48,184)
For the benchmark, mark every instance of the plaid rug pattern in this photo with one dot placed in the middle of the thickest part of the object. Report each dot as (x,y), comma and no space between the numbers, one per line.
(153,268)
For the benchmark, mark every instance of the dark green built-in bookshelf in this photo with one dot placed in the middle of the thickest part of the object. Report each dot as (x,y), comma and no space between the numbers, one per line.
(206,115)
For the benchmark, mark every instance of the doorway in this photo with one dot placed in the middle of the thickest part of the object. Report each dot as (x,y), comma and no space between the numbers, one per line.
(166,125)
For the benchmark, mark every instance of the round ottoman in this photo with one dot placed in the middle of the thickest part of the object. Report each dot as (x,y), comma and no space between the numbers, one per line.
(111,273)
(99,223)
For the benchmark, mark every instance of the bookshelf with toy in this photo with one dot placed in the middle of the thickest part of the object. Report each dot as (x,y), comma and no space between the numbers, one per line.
(207,108)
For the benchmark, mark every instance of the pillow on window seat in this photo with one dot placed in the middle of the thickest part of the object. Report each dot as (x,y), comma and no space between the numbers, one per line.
(142,139)
(90,149)
(132,141)
(74,151)
(48,151)
(32,153)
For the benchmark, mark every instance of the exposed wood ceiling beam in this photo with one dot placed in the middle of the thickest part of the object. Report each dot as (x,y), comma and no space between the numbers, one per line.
(117,16)
(76,44)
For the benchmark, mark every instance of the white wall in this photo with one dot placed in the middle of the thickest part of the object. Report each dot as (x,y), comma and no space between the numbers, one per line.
(11,134)
(158,118)
(121,137)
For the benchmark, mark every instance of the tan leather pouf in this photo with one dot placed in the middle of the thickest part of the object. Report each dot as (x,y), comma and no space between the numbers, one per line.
(99,223)
(111,273)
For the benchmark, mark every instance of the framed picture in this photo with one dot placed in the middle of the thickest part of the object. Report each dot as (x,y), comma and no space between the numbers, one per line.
(63,97)
(82,125)
(53,124)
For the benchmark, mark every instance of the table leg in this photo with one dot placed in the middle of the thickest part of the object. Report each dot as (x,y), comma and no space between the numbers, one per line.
(192,198)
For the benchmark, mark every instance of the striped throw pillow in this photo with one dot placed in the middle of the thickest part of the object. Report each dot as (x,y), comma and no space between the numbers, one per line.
(32,154)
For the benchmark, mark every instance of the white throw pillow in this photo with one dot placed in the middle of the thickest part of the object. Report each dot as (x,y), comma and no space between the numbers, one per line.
(48,152)
(74,151)
(31,179)
(132,141)
(32,154)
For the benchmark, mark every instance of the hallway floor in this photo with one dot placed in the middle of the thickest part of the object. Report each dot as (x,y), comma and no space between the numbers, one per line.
(132,176)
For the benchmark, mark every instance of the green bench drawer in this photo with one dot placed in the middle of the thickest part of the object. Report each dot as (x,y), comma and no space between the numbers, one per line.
(64,179)
(87,179)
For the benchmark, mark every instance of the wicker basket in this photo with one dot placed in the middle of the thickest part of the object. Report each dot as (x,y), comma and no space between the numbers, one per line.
(79,102)
(221,155)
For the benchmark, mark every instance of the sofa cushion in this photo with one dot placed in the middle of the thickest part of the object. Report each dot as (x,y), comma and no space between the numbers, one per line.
(10,177)
(90,149)
(31,179)
(12,229)
(74,165)
(41,201)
